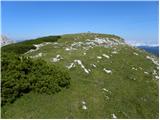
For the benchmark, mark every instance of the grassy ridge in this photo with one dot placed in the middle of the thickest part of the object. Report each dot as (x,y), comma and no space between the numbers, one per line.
(133,94)
(22,47)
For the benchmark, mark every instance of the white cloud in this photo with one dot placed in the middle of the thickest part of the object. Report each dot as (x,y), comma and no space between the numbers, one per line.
(133,43)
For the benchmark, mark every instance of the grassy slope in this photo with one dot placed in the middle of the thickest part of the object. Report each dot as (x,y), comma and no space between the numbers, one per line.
(129,97)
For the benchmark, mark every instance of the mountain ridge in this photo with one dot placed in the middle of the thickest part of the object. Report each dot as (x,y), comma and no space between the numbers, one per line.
(109,79)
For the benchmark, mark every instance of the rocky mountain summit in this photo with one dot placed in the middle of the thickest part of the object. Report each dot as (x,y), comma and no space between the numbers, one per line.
(5,40)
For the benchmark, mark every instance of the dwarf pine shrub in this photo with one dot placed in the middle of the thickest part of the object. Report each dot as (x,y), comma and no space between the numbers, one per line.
(21,75)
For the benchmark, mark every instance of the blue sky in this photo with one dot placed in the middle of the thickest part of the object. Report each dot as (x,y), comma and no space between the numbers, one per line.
(136,22)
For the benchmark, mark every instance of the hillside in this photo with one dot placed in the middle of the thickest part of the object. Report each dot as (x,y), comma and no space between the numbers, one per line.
(109,79)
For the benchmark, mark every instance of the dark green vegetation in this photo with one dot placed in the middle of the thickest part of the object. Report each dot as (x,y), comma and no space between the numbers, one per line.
(22,47)
(22,75)
(129,91)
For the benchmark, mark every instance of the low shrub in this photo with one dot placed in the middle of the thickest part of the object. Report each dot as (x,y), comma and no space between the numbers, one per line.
(21,75)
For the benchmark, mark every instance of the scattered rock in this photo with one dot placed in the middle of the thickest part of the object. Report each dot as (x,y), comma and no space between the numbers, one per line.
(105,89)
(114,116)
(57,58)
(70,48)
(133,68)
(93,65)
(99,57)
(134,79)
(83,102)
(140,68)
(82,66)
(38,46)
(77,44)
(107,71)
(155,74)
(71,65)
(84,107)
(108,91)
(114,52)
(105,42)
(157,77)
(107,97)
(135,53)
(152,59)
(104,55)
(146,72)
(67,49)
(38,55)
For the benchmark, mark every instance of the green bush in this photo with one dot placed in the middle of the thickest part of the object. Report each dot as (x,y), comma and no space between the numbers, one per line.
(21,75)
(22,47)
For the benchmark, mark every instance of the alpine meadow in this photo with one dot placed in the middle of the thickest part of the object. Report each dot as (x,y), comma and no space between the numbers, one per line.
(74,74)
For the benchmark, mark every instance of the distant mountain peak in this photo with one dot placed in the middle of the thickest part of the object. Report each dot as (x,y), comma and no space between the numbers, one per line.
(5,40)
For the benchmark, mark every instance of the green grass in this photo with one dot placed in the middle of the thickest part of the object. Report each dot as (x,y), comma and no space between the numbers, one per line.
(133,93)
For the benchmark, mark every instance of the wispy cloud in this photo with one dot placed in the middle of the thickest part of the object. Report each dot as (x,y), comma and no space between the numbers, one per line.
(142,44)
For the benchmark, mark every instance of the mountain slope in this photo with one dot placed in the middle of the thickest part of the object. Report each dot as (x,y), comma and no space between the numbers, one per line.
(109,79)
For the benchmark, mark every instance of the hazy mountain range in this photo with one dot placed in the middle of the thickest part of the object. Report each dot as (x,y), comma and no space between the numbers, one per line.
(151,49)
